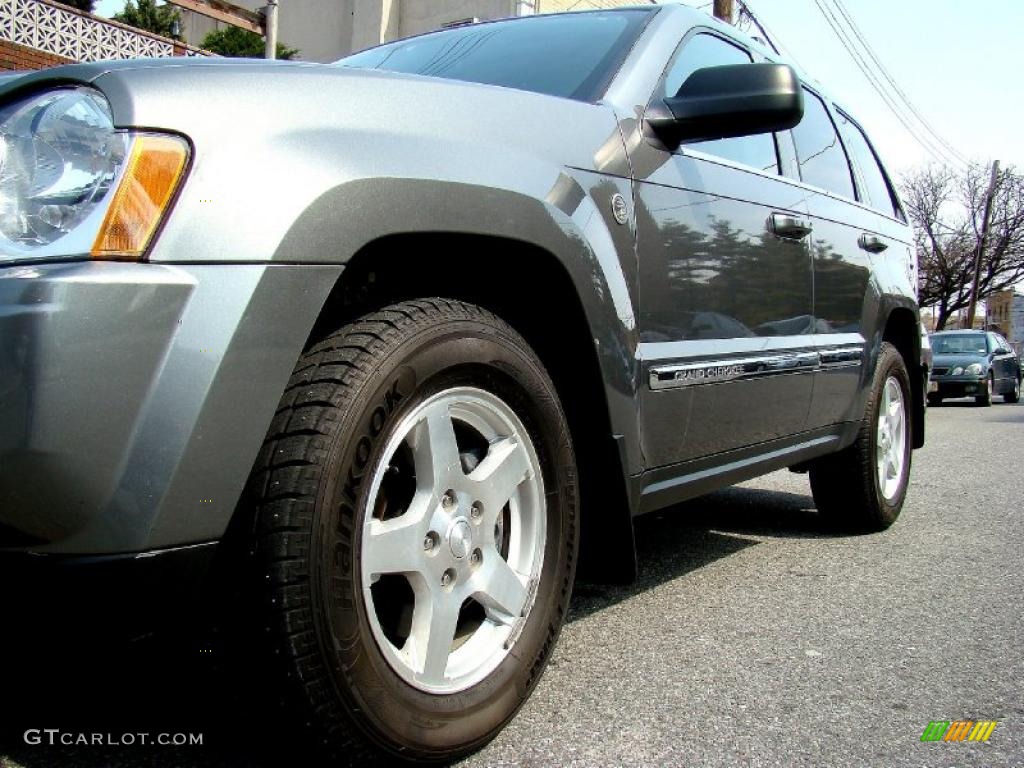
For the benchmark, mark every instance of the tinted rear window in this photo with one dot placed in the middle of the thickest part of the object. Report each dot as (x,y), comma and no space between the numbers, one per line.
(822,158)
(571,55)
(875,190)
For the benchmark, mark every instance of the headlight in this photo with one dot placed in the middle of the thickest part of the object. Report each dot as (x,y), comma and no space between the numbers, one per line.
(974,369)
(71,185)
(957,371)
(59,156)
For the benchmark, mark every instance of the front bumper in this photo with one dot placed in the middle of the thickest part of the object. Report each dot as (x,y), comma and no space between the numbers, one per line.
(958,386)
(134,397)
(104,595)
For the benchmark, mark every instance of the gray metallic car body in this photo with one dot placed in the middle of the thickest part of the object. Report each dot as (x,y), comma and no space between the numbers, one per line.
(136,396)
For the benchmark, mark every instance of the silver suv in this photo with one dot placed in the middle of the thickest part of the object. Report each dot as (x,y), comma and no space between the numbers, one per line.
(392,344)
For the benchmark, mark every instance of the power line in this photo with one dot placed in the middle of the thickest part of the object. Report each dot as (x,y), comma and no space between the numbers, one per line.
(847,43)
(899,104)
(895,86)
(934,149)
(769,35)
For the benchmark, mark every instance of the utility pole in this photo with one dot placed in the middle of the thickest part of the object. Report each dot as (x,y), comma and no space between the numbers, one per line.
(724,10)
(986,219)
(270,22)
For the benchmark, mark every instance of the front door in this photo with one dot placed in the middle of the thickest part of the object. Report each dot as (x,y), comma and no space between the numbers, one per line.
(726,288)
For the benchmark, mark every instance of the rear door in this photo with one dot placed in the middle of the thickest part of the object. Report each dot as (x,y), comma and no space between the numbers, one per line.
(855,231)
(1004,363)
(725,285)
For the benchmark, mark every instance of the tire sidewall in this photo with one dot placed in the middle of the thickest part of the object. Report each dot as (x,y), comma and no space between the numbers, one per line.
(891,365)
(449,354)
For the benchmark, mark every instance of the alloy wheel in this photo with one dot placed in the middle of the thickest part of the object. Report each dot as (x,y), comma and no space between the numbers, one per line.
(891,439)
(453,539)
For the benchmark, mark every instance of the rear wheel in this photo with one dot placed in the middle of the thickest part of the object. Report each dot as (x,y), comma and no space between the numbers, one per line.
(985,400)
(1013,396)
(864,486)
(416,530)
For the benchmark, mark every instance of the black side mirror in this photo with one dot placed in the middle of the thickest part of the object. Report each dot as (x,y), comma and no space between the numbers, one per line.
(735,100)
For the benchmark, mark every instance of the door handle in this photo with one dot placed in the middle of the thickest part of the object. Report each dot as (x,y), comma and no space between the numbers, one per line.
(872,243)
(788,226)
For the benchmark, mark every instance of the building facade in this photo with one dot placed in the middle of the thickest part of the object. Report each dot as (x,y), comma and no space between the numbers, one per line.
(41,33)
(327,30)
(1005,314)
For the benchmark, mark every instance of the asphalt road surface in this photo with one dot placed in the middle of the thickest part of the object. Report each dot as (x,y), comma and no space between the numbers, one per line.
(751,638)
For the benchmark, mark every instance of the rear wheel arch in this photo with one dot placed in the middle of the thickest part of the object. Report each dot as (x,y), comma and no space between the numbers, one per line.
(531,289)
(902,330)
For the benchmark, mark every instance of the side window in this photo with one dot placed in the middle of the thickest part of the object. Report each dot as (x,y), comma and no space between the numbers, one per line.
(705,50)
(876,192)
(820,152)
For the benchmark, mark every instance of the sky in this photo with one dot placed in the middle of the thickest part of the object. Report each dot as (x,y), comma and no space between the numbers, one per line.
(957,60)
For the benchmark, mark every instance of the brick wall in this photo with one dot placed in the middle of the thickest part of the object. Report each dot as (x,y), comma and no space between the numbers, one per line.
(41,33)
(14,56)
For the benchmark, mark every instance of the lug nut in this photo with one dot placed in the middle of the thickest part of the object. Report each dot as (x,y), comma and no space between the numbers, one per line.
(448,500)
(429,541)
(476,557)
(476,510)
(447,578)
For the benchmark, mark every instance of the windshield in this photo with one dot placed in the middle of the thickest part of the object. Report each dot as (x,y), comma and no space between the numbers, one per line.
(573,55)
(960,344)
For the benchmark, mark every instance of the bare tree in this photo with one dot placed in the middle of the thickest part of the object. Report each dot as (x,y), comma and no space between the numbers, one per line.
(947,209)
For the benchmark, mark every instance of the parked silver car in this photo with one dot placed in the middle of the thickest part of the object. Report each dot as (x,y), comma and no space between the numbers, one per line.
(391,344)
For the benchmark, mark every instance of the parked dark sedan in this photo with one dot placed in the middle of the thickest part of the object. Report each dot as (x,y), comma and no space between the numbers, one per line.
(973,363)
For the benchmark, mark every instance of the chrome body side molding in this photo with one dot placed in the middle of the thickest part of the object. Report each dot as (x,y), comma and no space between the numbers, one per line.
(674,375)
(846,357)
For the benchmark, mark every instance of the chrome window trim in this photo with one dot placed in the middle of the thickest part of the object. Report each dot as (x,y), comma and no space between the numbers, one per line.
(700,349)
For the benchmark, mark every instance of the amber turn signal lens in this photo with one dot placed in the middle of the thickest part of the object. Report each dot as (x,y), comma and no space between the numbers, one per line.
(154,169)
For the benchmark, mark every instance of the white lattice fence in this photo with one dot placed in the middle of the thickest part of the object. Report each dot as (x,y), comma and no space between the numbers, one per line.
(81,37)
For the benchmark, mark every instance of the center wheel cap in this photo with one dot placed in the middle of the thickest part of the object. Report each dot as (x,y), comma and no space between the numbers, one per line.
(460,539)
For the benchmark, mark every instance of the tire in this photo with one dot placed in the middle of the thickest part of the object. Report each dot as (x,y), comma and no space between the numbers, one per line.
(985,400)
(934,400)
(1013,396)
(846,486)
(334,476)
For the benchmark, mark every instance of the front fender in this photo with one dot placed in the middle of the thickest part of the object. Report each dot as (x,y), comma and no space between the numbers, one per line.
(567,222)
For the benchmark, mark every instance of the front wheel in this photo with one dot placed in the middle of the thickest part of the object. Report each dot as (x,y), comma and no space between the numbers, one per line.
(417,530)
(864,486)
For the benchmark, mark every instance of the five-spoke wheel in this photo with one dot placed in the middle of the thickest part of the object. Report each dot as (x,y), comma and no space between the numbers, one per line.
(455,542)
(892,438)
(417,530)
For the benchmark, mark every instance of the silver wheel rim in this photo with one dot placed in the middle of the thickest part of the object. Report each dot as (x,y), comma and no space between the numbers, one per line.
(449,574)
(891,439)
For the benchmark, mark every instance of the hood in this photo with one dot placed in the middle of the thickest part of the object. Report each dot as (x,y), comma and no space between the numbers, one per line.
(8,78)
(88,71)
(959,358)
